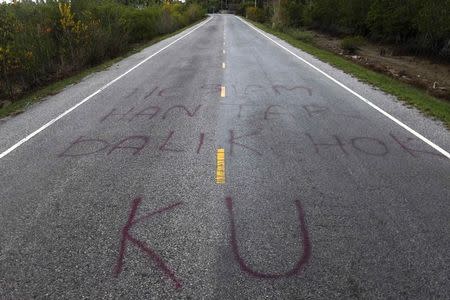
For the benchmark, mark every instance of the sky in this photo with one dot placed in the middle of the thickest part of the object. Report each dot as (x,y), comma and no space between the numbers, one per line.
(7,1)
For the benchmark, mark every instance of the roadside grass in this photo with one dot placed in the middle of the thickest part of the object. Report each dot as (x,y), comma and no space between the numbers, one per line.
(429,105)
(18,106)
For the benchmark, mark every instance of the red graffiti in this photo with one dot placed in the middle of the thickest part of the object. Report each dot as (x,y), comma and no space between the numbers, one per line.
(358,143)
(405,145)
(314,109)
(127,236)
(149,94)
(305,253)
(317,110)
(164,147)
(211,88)
(176,91)
(123,144)
(200,143)
(113,113)
(277,88)
(149,112)
(338,143)
(138,144)
(268,112)
(83,146)
(232,141)
(240,109)
(81,140)
(190,114)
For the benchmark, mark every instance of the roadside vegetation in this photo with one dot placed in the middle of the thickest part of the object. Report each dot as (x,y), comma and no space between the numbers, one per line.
(415,26)
(42,43)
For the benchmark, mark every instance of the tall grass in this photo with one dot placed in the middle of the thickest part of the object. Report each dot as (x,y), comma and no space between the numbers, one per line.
(42,42)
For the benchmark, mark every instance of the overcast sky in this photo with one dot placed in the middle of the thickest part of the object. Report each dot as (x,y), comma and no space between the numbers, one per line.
(7,1)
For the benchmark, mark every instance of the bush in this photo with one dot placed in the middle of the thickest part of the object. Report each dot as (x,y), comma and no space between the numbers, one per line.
(140,24)
(300,35)
(433,25)
(41,42)
(392,20)
(194,12)
(352,44)
(255,14)
(419,26)
(324,14)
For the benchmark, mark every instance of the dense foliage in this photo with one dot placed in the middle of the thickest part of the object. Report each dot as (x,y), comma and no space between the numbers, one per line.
(421,26)
(40,42)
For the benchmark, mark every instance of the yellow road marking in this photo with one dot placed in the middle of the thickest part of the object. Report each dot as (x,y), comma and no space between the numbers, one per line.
(220,166)
(222,91)
(223,65)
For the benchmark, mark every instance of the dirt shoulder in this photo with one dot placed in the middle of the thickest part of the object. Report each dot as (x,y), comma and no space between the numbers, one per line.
(421,72)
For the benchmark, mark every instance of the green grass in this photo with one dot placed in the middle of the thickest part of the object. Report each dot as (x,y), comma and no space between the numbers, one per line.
(431,106)
(19,105)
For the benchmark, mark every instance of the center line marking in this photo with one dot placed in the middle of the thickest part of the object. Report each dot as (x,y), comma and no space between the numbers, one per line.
(222,91)
(220,166)
(223,51)
(223,65)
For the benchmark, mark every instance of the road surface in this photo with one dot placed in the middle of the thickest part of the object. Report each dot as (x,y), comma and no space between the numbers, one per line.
(218,164)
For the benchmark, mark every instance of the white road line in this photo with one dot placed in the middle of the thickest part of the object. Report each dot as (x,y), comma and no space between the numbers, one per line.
(43,127)
(418,135)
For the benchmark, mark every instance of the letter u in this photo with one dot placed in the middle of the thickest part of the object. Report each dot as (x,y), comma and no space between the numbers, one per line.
(304,253)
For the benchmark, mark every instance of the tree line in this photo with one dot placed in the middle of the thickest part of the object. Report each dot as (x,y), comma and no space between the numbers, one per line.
(417,26)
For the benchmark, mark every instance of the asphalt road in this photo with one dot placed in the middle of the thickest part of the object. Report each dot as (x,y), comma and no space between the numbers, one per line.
(324,196)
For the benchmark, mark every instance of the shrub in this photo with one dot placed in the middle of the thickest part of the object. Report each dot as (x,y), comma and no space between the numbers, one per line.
(301,35)
(433,25)
(140,24)
(392,20)
(44,41)
(324,14)
(255,14)
(352,44)
(194,12)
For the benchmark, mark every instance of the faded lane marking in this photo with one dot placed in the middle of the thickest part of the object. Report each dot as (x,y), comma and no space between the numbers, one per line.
(220,166)
(222,92)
